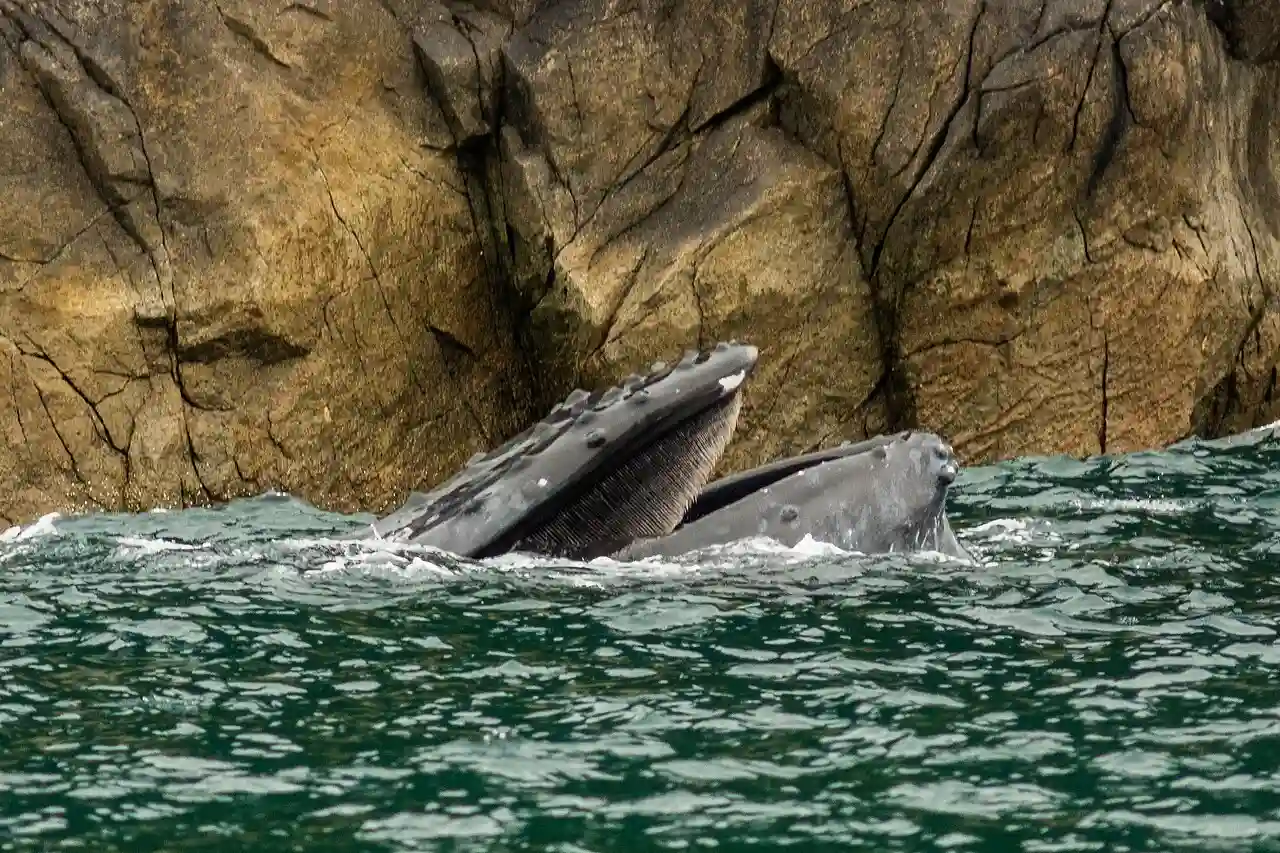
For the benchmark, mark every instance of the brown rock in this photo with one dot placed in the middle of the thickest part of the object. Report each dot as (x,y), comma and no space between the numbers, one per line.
(236,256)
(1064,215)
(1252,27)
(335,248)
(657,204)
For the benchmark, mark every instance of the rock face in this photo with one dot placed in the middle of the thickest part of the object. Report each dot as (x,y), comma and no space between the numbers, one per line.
(335,248)
(236,254)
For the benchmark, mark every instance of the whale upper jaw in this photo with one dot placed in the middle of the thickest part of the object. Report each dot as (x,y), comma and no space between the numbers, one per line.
(599,471)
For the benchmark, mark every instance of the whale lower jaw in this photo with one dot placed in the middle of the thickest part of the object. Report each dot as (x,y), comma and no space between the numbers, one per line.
(885,494)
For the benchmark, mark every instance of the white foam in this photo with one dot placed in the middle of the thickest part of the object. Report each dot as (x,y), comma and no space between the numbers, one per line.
(157,545)
(809,546)
(1000,525)
(730,383)
(43,526)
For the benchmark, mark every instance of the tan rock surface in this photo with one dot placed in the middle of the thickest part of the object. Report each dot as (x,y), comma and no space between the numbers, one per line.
(1060,227)
(336,248)
(235,256)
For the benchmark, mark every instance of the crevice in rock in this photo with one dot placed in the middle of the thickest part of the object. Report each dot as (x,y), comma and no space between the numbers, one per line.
(1044,7)
(452,351)
(1146,16)
(465,29)
(573,91)
(886,295)
(450,347)
(480,166)
(46,54)
(772,78)
(1197,228)
(893,102)
(112,197)
(478,162)
(846,22)
(679,130)
(53,424)
(633,276)
(275,440)
(17,407)
(1212,414)
(245,31)
(106,211)
(235,462)
(1084,93)
(308,10)
(951,341)
(779,390)
(851,205)
(1106,365)
(95,418)
(968,233)
(1121,118)
(192,456)
(373,269)
(128,466)
(936,143)
(448,341)
(1213,410)
(1084,235)
(431,179)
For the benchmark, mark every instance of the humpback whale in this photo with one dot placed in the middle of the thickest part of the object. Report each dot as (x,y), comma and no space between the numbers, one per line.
(623,472)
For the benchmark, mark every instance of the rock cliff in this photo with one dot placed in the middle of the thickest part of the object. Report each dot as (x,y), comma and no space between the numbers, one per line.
(335,248)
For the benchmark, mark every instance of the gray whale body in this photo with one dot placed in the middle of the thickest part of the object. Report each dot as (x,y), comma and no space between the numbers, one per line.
(623,472)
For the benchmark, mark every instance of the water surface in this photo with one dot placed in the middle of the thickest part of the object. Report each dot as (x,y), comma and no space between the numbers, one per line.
(250,678)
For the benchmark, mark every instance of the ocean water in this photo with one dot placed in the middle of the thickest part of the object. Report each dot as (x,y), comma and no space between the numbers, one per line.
(250,678)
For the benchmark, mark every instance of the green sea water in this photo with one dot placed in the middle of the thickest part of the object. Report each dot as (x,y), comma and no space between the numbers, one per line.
(250,678)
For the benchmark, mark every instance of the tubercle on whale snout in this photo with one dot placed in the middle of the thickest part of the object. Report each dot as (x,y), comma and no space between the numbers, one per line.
(581,408)
(926,448)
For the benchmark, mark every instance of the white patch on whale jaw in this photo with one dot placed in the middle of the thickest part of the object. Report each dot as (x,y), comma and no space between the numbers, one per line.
(731,383)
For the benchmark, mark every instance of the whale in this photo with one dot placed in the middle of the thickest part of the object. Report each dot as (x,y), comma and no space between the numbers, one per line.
(625,472)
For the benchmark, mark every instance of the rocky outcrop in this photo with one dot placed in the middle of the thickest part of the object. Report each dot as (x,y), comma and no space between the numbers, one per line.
(336,248)
(236,254)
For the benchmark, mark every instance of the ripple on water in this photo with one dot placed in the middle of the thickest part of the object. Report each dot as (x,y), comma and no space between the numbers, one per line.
(1101,679)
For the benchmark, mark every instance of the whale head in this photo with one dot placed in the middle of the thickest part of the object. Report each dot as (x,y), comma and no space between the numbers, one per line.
(598,472)
(884,494)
